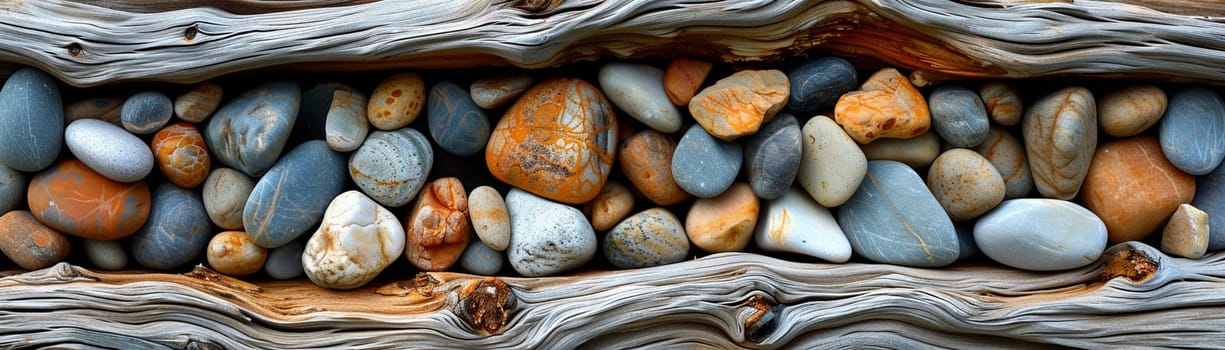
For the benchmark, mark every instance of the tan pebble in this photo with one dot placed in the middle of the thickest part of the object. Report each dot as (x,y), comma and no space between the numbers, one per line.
(437,229)
(965,184)
(646,159)
(724,223)
(612,205)
(234,254)
(357,239)
(1008,156)
(683,78)
(1133,188)
(886,106)
(1186,234)
(737,105)
(196,105)
(917,152)
(496,91)
(1060,133)
(1002,101)
(1130,110)
(397,101)
(29,243)
(490,219)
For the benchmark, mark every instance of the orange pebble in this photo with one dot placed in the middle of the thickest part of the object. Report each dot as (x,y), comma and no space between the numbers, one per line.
(181,155)
(683,78)
(886,106)
(437,230)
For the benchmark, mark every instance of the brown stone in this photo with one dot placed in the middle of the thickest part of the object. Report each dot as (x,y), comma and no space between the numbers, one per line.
(233,253)
(1133,188)
(646,159)
(886,106)
(29,243)
(1186,234)
(724,223)
(737,105)
(683,78)
(1060,134)
(437,229)
(612,205)
(1131,110)
(196,105)
(1002,101)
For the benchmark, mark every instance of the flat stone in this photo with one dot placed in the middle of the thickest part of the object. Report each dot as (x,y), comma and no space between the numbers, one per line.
(1041,234)
(649,238)
(1130,110)
(482,260)
(817,84)
(177,232)
(705,166)
(646,159)
(12,188)
(894,219)
(1133,188)
(683,78)
(832,165)
(109,150)
(29,243)
(355,242)
(958,116)
(917,152)
(233,253)
(291,198)
(724,223)
(391,166)
(498,90)
(638,90)
(105,108)
(198,104)
(225,194)
(549,238)
(74,199)
(1060,132)
(181,155)
(965,183)
(558,141)
(31,121)
(346,125)
(795,223)
(612,205)
(146,112)
(285,262)
(490,219)
(1007,155)
(1192,131)
(885,106)
(457,124)
(737,105)
(438,228)
(106,255)
(1187,232)
(772,156)
(1003,102)
(249,132)
(397,101)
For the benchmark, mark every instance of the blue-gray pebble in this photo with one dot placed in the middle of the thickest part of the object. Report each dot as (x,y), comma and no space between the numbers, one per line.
(457,124)
(817,84)
(249,133)
(1210,197)
(1192,131)
(146,112)
(772,156)
(959,116)
(391,166)
(892,218)
(177,231)
(482,260)
(1041,234)
(285,262)
(12,189)
(291,198)
(703,165)
(31,121)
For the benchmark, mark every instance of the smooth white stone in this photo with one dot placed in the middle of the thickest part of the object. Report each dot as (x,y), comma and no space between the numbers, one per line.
(831,165)
(357,239)
(794,223)
(548,237)
(638,89)
(109,150)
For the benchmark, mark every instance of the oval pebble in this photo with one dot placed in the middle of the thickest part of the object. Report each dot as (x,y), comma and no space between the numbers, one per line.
(1133,188)
(74,199)
(291,198)
(958,116)
(652,237)
(106,255)
(795,223)
(703,165)
(489,217)
(225,193)
(397,101)
(198,104)
(646,159)
(724,223)
(917,152)
(817,84)
(438,228)
(285,262)
(549,238)
(391,166)
(1131,110)
(894,219)
(12,188)
(177,232)
(456,123)
(232,253)
(1192,131)
(482,260)
(109,150)
(31,121)
(965,183)
(638,89)
(1041,234)
(181,155)
(498,90)
(346,125)
(1007,155)
(1060,132)
(832,165)
(249,132)
(772,156)
(146,112)
(612,205)
(29,243)
(1003,102)
(356,240)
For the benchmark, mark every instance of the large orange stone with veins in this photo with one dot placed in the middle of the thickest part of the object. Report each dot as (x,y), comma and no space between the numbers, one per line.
(559,141)
(438,229)
(886,106)
(72,198)
(737,105)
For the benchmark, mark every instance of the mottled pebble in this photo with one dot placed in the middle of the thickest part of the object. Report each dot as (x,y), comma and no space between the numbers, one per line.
(772,156)
(1130,110)
(917,152)
(146,112)
(1133,188)
(490,219)
(291,198)
(225,193)
(1007,155)
(177,232)
(196,105)
(181,155)
(817,84)
(958,116)
(652,237)
(612,205)
(438,228)
(482,260)
(74,199)
(1192,130)
(457,124)
(1041,234)
(391,166)
(234,254)
(724,223)
(249,132)
(736,106)
(31,121)
(965,183)
(683,78)
(397,101)
(646,159)
(795,223)
(832,165)
(1187,232)
(638,90)
(885,106)
(29,243)
(346,125)
(496,91)
(356,240)
(703,165)
(1003,102)
(549,238)
(106,255)
(894,219)
(1060,132)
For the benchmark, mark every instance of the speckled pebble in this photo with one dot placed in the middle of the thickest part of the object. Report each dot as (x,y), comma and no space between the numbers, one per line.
(965,183)
(1187,232)
(638,89)
(612,205)
(177,232)
(346,126)
(724,223)
(12,188)
(29,243)
(1007,155)
(703,165)
(917,152)
(894,219)
(31,121)
(1041,234)
(146,112)
(496,91)
(482,260)
(1131,110)
(1192,131)
(291,198)
(356,240)
(650,238)
(456,123)
(391,166)
(832,165)
(490,220)
(198,104)
(1060,133)
(225,193)
(397,101)
(285,262)
(233,253)
(109,150)
(795,223)
(958,116)
(772,156)
(549,237)
(1003,102)
(106,255)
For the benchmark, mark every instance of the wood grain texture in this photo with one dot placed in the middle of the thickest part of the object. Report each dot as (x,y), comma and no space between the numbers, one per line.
(98,42)
(1133,297)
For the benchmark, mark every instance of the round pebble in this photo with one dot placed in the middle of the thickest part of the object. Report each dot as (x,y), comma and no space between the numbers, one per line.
(1007,155)
(102,108)
(795,223)
(12,188)
(965,183)
(724,223)
(482,260)
(885,106)
(1133,188)
(703,165)
(817,84)
(496,91)
(653,237)
(177,232)
(391,166)
(291,198)
(31,121)
(917,152)
(1187,233)
(1041,234)
(356,240)
(196,105)
(638,90)
(683,78)
(225,193)
(958,116)
(109,150)
(832,165)
(106,255)
(457,124)
(346,125)
(549,238)
(894,219)
(1060,132)
(612,205)
(146,112)
(1003,102)
(1130,110)
(737,105)
(1192,131)
(646,159)
(489,217)
(397,101)
(249,132)
(233,253)
(29,243)
(181,155)
(772,156)
(75,200)
(285,262)
(438,228)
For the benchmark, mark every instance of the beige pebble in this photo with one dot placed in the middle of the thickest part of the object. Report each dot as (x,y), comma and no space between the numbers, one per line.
(612,205)
(490,220)
(357,239)
(965,183)
(496,91)
(724,223)
(1002,101)
(196,105)
(1130,110)
(737,105)
(234,254)
(396,102)
(1008,156)
(1060,132)
(917,152)
(1186,234)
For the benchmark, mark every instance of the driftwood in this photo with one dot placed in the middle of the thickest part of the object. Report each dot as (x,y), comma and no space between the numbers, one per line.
(106,41)
(1133,297)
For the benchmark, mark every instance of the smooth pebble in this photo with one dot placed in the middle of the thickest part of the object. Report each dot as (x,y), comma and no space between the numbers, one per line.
(610,207)
(652,237)
(498,90)
(233,253)
(965,183)
(917,152)
(548,237)
(76,200)
(391,166)
(958,116)
(1008,156)
(683,78)
(198,104)
(1060,133)
(480,259)
(1003,102)
(456,123)
(31,121)
(225,193)
(795,223)
(177,232)
(1133,188)
(832,165)
(146,112)
(291,198)
(724,223)
(490,219)
(638,90)
(29,243)
(886,105)
(285,262)
(646,159)
(249,132)
(817,84)
(703,165)
(1192,130)
(346,125)
(397,101)
(109,150)
(1041,234)
(1130,110)
(772,156)
(1187,232)
(894,219)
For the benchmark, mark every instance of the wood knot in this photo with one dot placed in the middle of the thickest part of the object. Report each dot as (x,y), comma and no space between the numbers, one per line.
(200,344)
(536,5)
(74,49)
(190,32)
(1129,262)
(764,320)
(487,305)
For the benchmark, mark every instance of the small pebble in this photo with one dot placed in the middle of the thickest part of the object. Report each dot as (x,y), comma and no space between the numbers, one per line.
(1133,188)
(1002,101)
(772,156)
(958,116)
(285,262)
(311,123)
(346,125)
(1187,233)
(646,159)
(74,199)
(724,223)
(31,121)
(832,165)
(109,150)
(683,78)
(638,90)
(291,198)
(29,243)
(1192,130)
(101,108)
(1041,234)
(737,105)
(482,260)
(106,255)
(795,223)
(496,91)
(146,112)
(196,105)
(917,152)
(232,253)
(549,238)
(703,165)
(885,106)
(610,207)
(1060,132)
(1130,110)
(652,237)
(177,232)
(490,220)
(438,228)
(1008,156)
(225,193)
(391,166)
(249,132)
(397,101)
(456,123)
(356,240)
(965,183)
(181,155)
(894,219)
(12,188)
(817,84)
